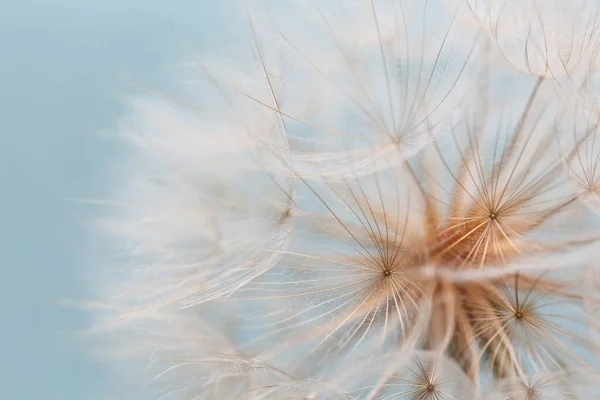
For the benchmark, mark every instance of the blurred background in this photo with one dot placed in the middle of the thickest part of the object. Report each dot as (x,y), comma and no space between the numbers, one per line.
(66,67)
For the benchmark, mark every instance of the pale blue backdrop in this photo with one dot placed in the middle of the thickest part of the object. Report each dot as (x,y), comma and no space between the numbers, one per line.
(64,65)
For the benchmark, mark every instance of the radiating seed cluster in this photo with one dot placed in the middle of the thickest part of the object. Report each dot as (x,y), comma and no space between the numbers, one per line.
(366,199)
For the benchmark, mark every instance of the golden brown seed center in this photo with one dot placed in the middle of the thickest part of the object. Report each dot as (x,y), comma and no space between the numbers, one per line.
(518,315)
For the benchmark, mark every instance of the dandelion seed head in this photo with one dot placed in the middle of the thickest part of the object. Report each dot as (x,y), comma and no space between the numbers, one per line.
(373,208)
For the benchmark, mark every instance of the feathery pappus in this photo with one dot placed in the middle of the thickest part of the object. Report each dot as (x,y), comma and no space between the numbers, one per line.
(377,199)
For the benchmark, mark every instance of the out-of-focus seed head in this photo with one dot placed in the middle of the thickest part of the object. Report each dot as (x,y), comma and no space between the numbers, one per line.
(385,206)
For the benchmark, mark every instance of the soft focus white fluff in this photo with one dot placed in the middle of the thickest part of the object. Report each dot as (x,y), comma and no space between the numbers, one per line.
(202,215)
(542,37)
(378,78)
(250,207)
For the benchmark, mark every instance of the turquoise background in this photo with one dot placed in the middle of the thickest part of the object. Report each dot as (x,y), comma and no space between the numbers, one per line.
(65,69)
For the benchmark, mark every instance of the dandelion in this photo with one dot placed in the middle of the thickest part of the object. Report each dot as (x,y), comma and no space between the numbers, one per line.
(372,265)
(390,205)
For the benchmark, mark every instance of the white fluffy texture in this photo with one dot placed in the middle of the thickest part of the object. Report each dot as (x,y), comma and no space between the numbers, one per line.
(254,215)
(201,216)
(379,77)
(181,356)
(543,37)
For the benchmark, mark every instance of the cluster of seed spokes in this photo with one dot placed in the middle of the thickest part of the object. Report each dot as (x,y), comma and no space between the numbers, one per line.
(427,382)
(487,233)
(486,324)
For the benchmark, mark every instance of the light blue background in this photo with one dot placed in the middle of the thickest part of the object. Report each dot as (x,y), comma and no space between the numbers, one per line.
(65,66)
